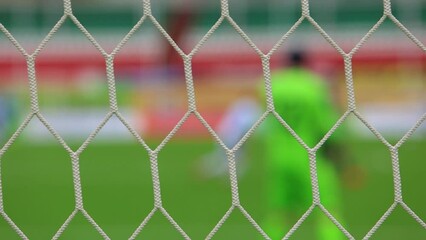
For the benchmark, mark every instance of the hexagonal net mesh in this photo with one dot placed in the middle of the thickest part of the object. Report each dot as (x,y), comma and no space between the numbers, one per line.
(192,110)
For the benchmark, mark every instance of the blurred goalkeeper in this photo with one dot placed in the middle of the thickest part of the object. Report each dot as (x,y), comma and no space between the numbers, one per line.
(302,99)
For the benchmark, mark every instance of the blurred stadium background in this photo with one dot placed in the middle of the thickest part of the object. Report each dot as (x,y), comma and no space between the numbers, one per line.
(390,84)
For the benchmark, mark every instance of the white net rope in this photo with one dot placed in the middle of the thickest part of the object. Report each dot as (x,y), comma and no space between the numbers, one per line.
(192,110)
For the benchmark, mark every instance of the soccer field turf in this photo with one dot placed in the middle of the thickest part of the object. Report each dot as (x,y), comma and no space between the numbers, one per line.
(117,188)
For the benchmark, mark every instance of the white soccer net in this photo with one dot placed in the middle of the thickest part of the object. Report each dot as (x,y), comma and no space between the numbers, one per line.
(235,205)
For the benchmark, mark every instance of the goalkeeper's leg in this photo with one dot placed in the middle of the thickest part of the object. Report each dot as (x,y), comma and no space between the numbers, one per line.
(331,200)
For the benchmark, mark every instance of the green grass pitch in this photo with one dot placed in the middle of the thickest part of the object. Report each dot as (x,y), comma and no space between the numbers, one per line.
(38,192)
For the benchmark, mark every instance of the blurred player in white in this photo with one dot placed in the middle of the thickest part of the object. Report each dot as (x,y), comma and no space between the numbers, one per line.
(236,121)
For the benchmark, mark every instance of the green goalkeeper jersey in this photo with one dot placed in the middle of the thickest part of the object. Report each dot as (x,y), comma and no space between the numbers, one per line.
(302,99)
